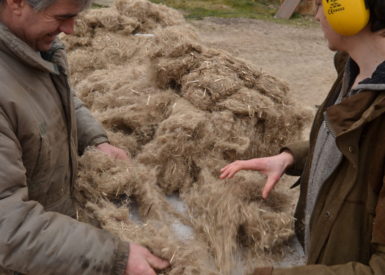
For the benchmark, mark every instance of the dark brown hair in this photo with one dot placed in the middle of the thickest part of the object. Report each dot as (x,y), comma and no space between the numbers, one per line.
(377,14)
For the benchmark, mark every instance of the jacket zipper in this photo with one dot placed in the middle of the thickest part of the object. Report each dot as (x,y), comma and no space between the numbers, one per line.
(327,125)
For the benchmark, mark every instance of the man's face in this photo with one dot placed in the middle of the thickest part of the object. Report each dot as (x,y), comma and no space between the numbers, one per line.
(40,28)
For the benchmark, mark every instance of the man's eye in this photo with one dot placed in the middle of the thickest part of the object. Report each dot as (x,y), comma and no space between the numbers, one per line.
(63,18)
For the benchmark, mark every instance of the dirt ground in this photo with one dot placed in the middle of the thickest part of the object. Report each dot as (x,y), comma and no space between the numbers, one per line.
(298,55)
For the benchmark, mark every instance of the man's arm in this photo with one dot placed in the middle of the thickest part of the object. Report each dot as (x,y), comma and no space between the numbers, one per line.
(90,131)
(34,241)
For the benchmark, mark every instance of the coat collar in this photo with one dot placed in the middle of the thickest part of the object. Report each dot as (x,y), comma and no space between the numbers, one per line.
(12,45)
(366,104)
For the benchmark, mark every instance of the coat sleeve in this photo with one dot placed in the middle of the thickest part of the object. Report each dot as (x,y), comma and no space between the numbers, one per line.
(299,150)
(35,241)
(90,132)
(376,266)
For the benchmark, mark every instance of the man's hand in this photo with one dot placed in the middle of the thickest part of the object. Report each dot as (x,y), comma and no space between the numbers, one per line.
(273,167)
(142,262)
(112,151)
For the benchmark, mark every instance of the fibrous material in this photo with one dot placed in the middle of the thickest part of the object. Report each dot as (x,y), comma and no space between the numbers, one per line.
(182,111)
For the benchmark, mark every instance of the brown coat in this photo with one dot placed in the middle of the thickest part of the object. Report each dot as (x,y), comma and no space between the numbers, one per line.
(348,222)
(41,123)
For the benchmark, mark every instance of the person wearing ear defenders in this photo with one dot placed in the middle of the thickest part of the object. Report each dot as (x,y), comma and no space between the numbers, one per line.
(340,215)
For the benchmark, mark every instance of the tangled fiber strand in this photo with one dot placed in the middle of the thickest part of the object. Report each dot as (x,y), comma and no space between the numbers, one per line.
(187,256)
(231,217)
(183,111)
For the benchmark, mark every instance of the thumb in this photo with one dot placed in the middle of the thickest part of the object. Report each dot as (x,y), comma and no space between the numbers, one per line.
(157,262)
(270,183)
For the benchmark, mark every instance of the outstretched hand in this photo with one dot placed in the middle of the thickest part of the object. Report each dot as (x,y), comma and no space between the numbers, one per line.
(113,151)
(273,167)
(142,262)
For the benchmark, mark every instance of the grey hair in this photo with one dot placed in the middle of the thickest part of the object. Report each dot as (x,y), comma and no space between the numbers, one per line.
(40,5)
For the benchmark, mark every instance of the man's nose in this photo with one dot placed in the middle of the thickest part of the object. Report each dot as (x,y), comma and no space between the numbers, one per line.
(67,26)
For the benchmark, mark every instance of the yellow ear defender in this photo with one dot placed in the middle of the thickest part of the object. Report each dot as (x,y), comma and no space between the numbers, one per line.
(346,17)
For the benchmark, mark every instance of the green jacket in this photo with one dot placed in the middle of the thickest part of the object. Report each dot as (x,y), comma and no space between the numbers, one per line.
(41,125)
(348,221)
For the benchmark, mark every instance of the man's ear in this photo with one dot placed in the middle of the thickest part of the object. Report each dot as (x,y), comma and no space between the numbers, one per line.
(16,6)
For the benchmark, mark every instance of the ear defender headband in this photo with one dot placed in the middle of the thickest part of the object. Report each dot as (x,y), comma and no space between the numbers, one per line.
(346,17)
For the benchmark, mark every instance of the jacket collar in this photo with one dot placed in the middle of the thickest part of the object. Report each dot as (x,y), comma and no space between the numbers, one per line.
(12,45)
(366,104)
(376,81)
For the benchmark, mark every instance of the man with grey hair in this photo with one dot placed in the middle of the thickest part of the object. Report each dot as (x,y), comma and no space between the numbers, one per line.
(42,128)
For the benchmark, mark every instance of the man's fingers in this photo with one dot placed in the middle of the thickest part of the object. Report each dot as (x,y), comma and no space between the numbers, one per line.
(118,153)
(156,262)
(231,169)
(122,155)
(150,271)
(270,183)
(143,269)
(113,151)
(225,171)
(224,174)
(139,265)
(231,174)
(224,168)
(228,173)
